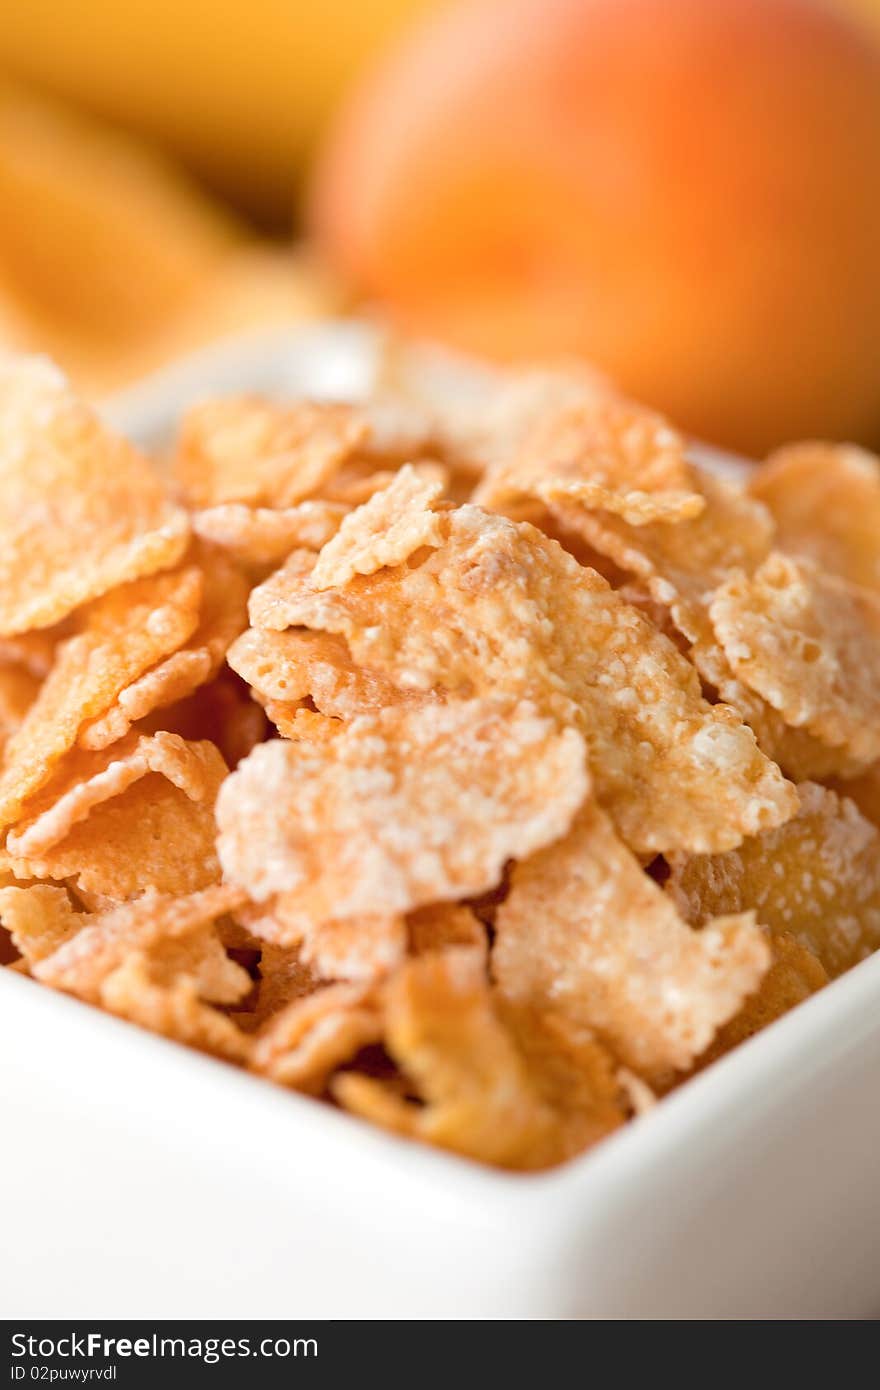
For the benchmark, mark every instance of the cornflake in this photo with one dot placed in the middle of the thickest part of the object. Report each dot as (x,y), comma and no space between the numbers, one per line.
(286,667)
(500,609)
(825,500)
(81,964)
(306,1042)
(151,835)
(795,974)
(18,690)
(173,1010)
(816,879)
(808,644)
(222,711)
(357,482)
(263,536)
(90,779)
(33,652)
(222,616)
(251,451)
(282,978)
(385,531)
(359,948)
(401,809)
(585,933)
(120,636)
(298,721)
(354,948)
(600,455)
(81,510)
(800,755)
(520,1101)
(681,565)
(40,918)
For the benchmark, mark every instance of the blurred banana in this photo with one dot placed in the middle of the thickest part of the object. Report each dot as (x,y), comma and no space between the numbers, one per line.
(238,89)
(112,262)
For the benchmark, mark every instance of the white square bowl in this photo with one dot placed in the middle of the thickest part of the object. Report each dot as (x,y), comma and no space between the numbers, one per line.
(144,1180)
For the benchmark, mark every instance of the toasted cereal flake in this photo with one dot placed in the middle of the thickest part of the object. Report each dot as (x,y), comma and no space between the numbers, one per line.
(297,721)
(152,835)
(356,482)
(81,964)
(402,808)
(172,680)
(303,1044)
(297,665)
(441,925)
(800,755)
(483,1093)
(109,728)
(816,878)
(175,1011)
(481,413)
(809,644)
(356,948)
(825,500)
(260,536)
(18,690)
(40,918)
(601,454)
(282,978)
(795,973)
(586,933)
(574,1074)
(632,591)
(81,510)
(681,565)
(88,779)
(276,664)
(89,902)
(268,602)
(360,948)
(473,1083)
(280,922)
(202,959)
(574,543)
(122,634)
(500,609)
(223,615)
(385,531)
(254,451)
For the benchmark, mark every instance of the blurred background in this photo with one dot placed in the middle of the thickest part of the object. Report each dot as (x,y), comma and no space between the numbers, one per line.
(685,192)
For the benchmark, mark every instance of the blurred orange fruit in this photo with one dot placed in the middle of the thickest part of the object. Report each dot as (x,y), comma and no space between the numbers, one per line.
(868,9)
(687,193)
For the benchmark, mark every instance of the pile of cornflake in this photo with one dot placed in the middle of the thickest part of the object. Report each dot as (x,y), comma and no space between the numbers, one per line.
(467,758)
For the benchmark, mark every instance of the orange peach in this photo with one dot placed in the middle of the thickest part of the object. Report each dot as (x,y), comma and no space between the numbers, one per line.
(686,192)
